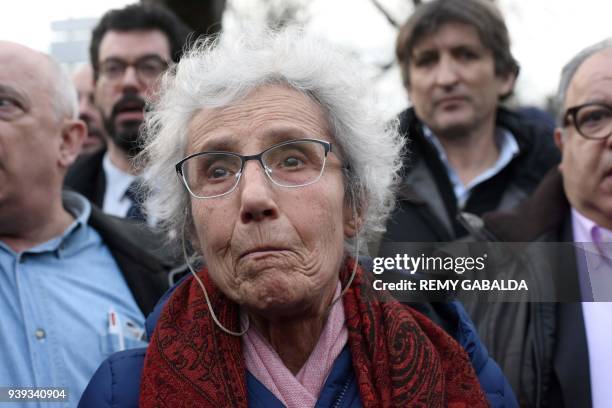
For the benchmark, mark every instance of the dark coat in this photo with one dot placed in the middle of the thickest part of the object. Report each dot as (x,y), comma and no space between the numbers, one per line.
(541,346)
(86,176)
(427,208)
(145,274)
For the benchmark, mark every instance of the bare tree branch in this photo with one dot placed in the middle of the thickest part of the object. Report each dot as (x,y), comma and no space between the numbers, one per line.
(388,16)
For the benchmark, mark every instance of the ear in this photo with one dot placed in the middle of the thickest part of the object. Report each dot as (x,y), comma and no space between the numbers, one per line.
(558,135)
(506,84)
(353,221)
(74,132)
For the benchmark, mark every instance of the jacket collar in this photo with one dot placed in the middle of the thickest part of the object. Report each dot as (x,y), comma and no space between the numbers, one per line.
(547,209)
(144,272)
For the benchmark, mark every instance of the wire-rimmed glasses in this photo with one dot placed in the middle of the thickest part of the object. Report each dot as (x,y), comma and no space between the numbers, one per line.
(591,120)
(294,163)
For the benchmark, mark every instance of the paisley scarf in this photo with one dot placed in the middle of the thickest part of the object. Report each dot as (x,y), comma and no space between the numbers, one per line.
(400,358)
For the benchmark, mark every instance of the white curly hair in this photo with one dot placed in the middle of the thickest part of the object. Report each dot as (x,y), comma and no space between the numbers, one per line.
(218,72)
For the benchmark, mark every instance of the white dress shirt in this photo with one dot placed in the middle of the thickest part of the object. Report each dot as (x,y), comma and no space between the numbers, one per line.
(508,149)
(117,183)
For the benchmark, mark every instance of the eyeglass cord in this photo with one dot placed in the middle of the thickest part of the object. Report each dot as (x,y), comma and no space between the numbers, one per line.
(248,321)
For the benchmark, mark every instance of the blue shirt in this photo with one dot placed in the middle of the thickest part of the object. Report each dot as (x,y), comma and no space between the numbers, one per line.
(508,148)
(65,308)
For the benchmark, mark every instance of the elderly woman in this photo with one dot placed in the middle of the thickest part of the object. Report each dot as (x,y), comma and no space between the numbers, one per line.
(283,172)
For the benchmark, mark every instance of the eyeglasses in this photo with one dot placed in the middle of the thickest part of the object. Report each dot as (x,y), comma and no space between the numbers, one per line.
(592,120)
(295,163)
(148,68)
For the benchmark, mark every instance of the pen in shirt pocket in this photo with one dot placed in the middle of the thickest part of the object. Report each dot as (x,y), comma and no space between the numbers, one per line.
(114,327)
(136,332)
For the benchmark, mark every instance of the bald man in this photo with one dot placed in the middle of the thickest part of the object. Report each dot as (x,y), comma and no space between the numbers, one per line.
(75,285)
(83,80)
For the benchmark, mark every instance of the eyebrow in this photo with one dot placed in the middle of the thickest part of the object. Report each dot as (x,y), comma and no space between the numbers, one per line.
(20,97)
(141,58)
(272,137)
(598,100)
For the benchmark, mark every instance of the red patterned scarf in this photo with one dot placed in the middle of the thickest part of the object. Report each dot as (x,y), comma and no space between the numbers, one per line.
(400,358)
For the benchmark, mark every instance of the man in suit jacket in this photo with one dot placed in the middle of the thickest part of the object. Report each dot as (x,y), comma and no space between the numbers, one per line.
(130,49)
(75,284)
(559,354)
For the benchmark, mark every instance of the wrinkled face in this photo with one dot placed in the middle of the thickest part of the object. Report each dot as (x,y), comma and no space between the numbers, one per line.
(272,249)
(88,111)
(587,164)
(453,85)
(122,97)
(30,128)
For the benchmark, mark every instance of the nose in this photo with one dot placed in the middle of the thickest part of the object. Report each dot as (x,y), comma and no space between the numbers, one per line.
(446,72)
(130,79)
(257,198)
(608,140)
(84,109)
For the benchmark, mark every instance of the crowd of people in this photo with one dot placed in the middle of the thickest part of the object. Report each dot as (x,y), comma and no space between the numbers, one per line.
(192,223)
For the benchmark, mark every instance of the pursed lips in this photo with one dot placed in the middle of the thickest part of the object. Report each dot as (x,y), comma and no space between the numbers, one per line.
(450,100)
(261,250)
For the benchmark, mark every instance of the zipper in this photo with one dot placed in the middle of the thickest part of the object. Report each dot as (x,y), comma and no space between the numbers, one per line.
(343,392)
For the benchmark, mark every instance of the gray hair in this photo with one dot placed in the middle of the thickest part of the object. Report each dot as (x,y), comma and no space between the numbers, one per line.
(570,69)
(221,71)
(63,92)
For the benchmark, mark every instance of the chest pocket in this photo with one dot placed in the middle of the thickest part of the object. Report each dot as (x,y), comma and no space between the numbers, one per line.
(124,336)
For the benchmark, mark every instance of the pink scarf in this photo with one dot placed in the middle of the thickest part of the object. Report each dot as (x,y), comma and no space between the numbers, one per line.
(301,390)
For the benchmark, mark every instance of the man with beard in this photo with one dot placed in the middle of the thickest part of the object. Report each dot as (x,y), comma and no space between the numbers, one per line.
(130,49)
(83,81)
(467,154)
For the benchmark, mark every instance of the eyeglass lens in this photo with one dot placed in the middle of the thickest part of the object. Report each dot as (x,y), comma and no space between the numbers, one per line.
(290,165)
(594,121)
(147,68)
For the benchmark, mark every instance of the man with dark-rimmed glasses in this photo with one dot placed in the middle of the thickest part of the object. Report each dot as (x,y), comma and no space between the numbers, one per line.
(564,348)
(130,49)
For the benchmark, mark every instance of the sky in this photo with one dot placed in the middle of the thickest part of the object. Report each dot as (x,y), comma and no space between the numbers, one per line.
(544,33)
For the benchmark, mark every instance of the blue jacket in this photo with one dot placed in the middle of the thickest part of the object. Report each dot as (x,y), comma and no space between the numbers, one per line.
(116,383)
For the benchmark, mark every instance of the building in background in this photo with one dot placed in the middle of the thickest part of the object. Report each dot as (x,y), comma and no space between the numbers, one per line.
(70,44)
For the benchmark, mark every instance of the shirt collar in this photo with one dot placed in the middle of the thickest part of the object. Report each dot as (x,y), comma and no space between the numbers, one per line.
(508,149)
(586,230)
(117,180)
(80,208)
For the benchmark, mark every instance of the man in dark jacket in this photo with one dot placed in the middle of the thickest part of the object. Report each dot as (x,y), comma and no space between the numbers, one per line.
(75,284)
(558,354)
(130,49)
(466,152)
